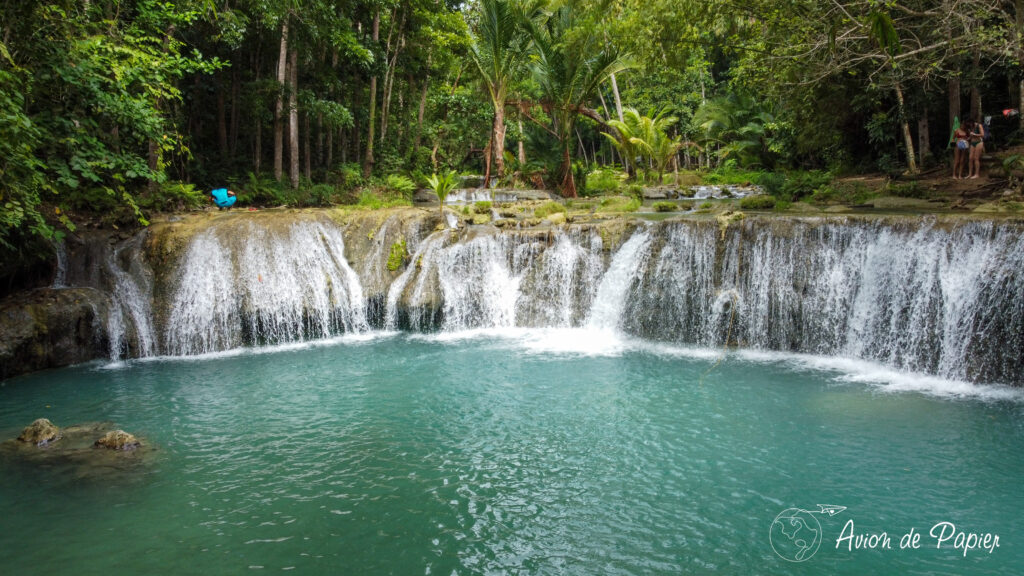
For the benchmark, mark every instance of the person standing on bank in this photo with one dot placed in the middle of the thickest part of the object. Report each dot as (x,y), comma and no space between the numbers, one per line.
(960,150)
(977,141)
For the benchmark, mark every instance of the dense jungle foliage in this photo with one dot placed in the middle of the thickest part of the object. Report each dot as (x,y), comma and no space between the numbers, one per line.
(117,109)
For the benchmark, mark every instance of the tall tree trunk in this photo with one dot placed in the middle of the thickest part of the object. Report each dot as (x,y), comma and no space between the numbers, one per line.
(320,136)
(233,138)
(522,146)
(618,99)
(908,140)
(487,160)
(222,119)
(954,101)
(282,69)
(568,182)
(293,117)
(389,79)
(975,89)
(422,108)
(368,160)
(923,144)
(499,141)
(257,152)
(306,156)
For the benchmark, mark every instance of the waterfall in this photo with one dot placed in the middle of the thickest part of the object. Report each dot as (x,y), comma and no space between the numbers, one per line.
(945,300)
(618,282)
(60,275)
(262,285)
(938,296)
(497,281)
(130,321)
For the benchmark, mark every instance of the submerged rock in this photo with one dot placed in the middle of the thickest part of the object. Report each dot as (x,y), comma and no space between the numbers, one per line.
(118,440)
(41,432)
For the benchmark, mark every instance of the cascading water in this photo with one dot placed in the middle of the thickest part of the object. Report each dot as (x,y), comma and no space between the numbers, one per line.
(926,298)
(939,297)
(618,282)
(131,318)
(497,281)
(258,285)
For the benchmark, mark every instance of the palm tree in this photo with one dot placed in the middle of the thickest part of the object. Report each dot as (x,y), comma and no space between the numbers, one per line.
(500,51)
(571,62)
(442,184)
(645,140)
(626,143)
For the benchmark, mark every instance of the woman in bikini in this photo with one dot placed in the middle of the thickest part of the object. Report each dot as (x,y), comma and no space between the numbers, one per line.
(977,140)
(960,150)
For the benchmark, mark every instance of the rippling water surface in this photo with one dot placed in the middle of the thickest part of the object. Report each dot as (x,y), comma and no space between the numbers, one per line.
(559,452)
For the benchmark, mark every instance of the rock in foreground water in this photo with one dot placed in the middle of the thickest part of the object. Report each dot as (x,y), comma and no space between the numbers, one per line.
(41,432)
(118,440)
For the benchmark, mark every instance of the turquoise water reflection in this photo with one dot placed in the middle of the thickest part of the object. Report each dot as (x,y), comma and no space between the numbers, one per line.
(420,455)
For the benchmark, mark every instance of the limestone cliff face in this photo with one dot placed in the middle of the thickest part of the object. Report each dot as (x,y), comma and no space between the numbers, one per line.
(942,296)
(52,327)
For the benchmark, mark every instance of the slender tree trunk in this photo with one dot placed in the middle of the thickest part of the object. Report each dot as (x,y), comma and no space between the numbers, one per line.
(522,146)
(422,109)
(618,99)
(233,138)
(923,143)
(222,119)
(487,160)
(320,137)
(257,152)
(306,156)
(389,80)
(908,140)
(975,89)
(568,182)
(368,160)
(499,140)
(954,100)
(293,117)
(282,69)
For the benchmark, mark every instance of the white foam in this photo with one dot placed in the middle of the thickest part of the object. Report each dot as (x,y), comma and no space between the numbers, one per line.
(884,378)
(344,339)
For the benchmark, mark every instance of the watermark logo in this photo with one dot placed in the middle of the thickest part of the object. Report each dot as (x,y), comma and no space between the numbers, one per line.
(795,534)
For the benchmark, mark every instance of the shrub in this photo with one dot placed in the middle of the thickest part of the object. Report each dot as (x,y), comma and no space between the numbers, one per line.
(843,192)
(636,191)
(172,196)
(772,182)
(548,208)
(482,207)
(606,180)
(803,184)
(706,205)
(908,190)
(351,175)
(729,175)
(321,195)
(665,206)
(619,204)
(400,184)
(397,255)
(757,202)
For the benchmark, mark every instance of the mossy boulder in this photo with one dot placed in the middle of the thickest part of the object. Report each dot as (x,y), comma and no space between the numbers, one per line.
(556,218)
(118,440)
(41,432)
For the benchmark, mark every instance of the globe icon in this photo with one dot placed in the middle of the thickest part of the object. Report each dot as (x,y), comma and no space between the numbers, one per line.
(795,535)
